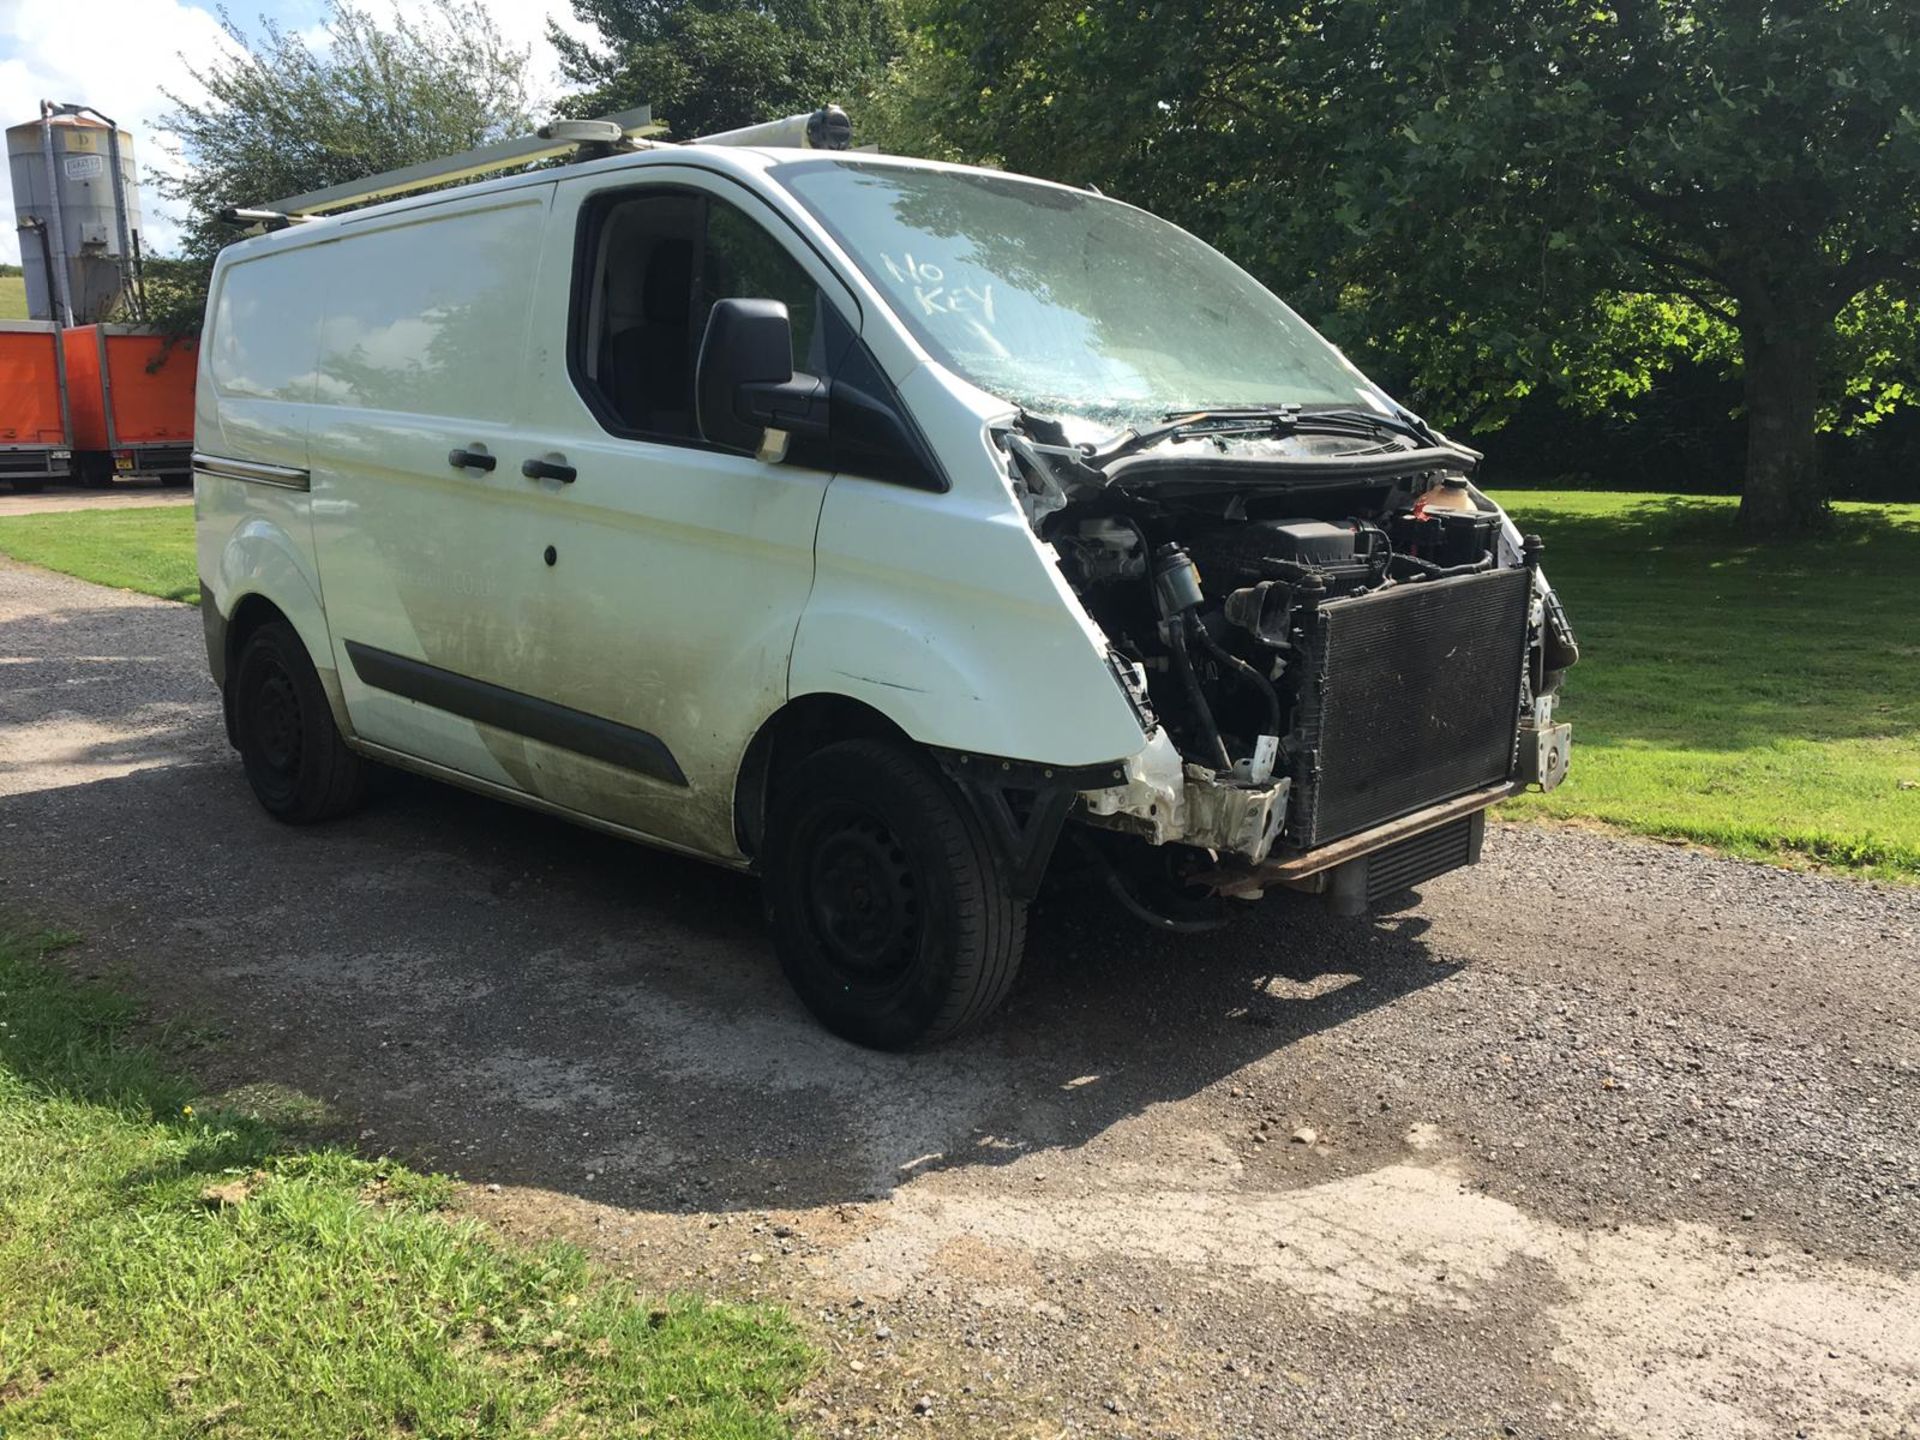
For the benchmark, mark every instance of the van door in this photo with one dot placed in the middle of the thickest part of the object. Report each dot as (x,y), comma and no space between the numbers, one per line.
(422,351)
(673,574)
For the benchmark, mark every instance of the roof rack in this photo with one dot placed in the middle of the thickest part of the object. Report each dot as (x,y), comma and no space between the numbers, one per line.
(585,139)
(827,128)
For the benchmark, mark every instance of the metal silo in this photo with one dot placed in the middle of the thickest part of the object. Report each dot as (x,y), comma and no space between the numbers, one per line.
(76,199)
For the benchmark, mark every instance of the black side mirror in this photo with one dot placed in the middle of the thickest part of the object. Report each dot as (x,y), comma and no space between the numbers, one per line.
(746,393)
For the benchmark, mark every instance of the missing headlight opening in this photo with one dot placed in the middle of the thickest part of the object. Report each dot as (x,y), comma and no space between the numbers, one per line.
(1340,646)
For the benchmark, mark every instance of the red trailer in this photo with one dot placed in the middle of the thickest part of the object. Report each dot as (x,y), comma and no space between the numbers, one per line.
(36,436)
(131,394)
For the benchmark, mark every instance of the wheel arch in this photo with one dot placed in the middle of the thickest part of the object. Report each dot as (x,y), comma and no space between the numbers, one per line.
(802,725)
(261,573)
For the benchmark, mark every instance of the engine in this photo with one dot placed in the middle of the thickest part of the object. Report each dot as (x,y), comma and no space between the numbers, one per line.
(1365,642)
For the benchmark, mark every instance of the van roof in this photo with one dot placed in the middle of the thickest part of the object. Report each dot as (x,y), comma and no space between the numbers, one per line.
(738,160)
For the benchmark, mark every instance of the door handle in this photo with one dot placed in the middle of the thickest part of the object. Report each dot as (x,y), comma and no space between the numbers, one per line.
(471,460)
(548,470)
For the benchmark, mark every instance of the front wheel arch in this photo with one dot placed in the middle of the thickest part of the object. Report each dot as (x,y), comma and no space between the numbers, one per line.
(803,725)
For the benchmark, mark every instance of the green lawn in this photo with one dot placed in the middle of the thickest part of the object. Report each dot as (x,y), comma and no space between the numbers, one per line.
(172,1267)
(1764,700)
(13,297)
(150,550)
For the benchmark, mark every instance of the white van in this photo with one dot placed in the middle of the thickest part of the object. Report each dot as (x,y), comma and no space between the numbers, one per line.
(876,526)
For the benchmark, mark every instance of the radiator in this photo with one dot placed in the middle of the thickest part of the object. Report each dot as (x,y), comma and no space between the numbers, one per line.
(1410,696)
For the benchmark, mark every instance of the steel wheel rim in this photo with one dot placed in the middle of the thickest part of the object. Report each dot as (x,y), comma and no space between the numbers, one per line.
(278,736)
(863,899)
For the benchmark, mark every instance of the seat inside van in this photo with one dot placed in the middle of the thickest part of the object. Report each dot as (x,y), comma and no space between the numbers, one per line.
(645,336)
(660,261)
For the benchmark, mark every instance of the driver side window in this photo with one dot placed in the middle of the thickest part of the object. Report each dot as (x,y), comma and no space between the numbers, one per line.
(652,264)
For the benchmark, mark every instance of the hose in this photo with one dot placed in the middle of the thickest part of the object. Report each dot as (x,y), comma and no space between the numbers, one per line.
(1140,910)
(1427,570)
(1248,676)
(1202,712)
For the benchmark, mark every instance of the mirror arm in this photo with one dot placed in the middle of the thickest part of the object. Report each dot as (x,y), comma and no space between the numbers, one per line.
(798,405)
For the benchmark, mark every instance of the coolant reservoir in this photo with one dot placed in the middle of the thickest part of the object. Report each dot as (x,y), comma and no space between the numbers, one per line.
(1450,494)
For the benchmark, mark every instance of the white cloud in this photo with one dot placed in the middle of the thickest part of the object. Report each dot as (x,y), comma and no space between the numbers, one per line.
(122,55)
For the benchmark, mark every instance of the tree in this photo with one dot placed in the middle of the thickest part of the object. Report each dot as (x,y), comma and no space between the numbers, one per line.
(711,65)
(1496,196)
(281,117)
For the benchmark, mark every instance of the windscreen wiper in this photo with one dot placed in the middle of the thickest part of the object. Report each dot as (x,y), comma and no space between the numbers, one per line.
(1260,422)
(1401,422)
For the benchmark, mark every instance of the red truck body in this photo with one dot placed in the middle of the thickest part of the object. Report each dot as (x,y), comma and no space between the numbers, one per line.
(131,396)
(36,438)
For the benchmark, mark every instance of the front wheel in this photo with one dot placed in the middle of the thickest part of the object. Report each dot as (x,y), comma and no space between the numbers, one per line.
(300,769)
(890,912)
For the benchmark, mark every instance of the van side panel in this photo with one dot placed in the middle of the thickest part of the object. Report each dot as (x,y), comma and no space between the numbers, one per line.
(257,360)
(422,351)
(255,373)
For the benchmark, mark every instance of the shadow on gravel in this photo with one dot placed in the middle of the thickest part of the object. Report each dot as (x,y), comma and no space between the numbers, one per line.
(518,1000)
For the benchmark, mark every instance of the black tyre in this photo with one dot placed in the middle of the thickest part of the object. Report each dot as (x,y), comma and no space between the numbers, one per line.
(299,767)
(891,916)
(176,481)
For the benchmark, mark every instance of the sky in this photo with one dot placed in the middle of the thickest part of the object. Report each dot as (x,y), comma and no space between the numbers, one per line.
(121,55)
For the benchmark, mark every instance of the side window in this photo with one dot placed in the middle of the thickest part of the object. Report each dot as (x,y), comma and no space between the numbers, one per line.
(651,264)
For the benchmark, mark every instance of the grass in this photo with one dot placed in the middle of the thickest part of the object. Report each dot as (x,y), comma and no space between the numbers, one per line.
(170,1268)
(149,550)
(1764,700)
(13,297)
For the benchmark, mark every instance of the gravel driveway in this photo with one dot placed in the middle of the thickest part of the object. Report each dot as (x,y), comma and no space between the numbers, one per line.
(1598,1138)
(125,495)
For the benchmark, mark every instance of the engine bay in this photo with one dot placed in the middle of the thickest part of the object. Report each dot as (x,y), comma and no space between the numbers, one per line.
(1351,624)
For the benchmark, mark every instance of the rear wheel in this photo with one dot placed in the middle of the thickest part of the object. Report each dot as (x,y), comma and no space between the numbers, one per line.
(300,769)
(891,915)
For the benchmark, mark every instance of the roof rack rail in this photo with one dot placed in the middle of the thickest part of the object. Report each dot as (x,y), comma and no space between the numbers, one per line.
(827,128)
(260,221)
(586,139)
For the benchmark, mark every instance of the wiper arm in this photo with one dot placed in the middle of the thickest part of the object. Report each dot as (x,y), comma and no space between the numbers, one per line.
(1199,424)
(1268,421)
(1403,423)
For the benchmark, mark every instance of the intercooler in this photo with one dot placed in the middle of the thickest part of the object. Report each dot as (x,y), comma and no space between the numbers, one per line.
(1410,696)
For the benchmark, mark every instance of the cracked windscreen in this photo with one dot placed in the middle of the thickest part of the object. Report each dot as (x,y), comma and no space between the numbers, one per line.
(1068,303)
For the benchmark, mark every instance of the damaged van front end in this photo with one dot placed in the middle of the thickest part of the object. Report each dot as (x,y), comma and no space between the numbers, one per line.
(1342,651)
(1338,649)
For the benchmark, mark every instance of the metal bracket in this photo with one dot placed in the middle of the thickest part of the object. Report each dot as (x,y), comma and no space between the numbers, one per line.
(1023,842)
